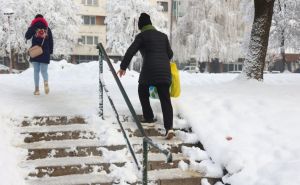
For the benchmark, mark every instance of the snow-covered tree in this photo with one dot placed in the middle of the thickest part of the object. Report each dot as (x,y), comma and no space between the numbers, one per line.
(284,33)
(247,12)
(61,16)
(258,45)
(122,20)
(209,29)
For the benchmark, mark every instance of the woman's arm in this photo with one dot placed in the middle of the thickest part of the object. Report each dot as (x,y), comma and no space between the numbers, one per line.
(30,32)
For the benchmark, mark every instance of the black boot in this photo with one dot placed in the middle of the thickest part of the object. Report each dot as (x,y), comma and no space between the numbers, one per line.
(143,120)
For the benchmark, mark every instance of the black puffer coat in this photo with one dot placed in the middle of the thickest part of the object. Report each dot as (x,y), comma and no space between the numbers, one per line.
(156,52)
(40,23)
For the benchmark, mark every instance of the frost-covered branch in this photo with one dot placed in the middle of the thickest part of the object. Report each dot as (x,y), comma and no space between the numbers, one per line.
(209,29)
(122,20)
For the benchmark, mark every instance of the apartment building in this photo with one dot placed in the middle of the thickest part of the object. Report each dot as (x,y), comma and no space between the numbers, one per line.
(93,28)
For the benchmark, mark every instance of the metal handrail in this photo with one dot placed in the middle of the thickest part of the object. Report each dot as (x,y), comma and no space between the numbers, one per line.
(102,87)
(146,140)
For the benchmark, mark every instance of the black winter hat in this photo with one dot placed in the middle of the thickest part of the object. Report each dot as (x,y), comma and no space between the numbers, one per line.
(39,16)
(144,20)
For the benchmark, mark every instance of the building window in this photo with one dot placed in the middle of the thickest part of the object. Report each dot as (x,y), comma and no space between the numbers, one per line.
(85,58)
(83,39)
(88,40)
(233,67)
(96,40)
(177,12)
(90,2)
(92,20)
(88,20)
(164,5)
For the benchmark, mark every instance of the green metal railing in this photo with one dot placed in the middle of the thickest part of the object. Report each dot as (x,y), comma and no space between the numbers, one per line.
(146,140)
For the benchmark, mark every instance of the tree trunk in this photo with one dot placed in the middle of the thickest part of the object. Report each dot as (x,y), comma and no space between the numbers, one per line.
(13,59)
(282,51)
(282,43)
(255,60)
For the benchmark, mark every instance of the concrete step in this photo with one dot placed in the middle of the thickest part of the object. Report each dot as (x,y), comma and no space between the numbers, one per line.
(56,132)
(52,120)
(151,129)
(54,128)
(65,151)
(150,132)
(91,151)
(161,177)
(92,164)
(88,179)
(53,136)
(96,142)
(82,147)
(177,176)
(69,152)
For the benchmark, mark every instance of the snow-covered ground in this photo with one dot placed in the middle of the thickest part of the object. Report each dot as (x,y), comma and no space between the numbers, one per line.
(249,127)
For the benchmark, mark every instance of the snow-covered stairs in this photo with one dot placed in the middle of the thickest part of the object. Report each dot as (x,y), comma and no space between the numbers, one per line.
(64,151)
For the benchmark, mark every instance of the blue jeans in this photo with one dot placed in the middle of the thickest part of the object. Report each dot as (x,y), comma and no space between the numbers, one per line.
(40,67)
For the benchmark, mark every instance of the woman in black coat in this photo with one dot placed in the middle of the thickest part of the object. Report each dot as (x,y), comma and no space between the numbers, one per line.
(157,53)
(41,35)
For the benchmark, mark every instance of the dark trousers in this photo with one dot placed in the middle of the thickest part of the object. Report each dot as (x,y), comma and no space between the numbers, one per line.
(165,101)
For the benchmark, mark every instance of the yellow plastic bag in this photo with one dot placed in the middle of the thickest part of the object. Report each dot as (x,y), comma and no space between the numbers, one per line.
(175,86)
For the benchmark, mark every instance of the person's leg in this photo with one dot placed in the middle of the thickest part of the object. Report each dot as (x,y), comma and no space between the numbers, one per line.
(36,74)
(44,71)
(144,95)
(166,105)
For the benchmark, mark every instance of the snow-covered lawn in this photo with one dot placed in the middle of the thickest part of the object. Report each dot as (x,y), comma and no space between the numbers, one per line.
(261,118)
(250,128)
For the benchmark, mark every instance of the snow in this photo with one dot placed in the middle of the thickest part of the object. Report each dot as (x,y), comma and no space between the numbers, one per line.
(205,182)
(250,128)
(261,117)
(3,67)
(183,165)
(9,170)
(127,173)
(194,153)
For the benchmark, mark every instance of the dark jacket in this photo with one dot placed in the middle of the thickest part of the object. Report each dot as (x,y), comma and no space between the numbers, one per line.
(156,52)
(40,23)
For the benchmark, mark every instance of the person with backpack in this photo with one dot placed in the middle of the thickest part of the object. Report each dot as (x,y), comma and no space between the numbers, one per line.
(41,35)
(157,53)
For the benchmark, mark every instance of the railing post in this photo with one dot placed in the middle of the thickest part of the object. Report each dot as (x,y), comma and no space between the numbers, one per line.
(100,81)
(145,161)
